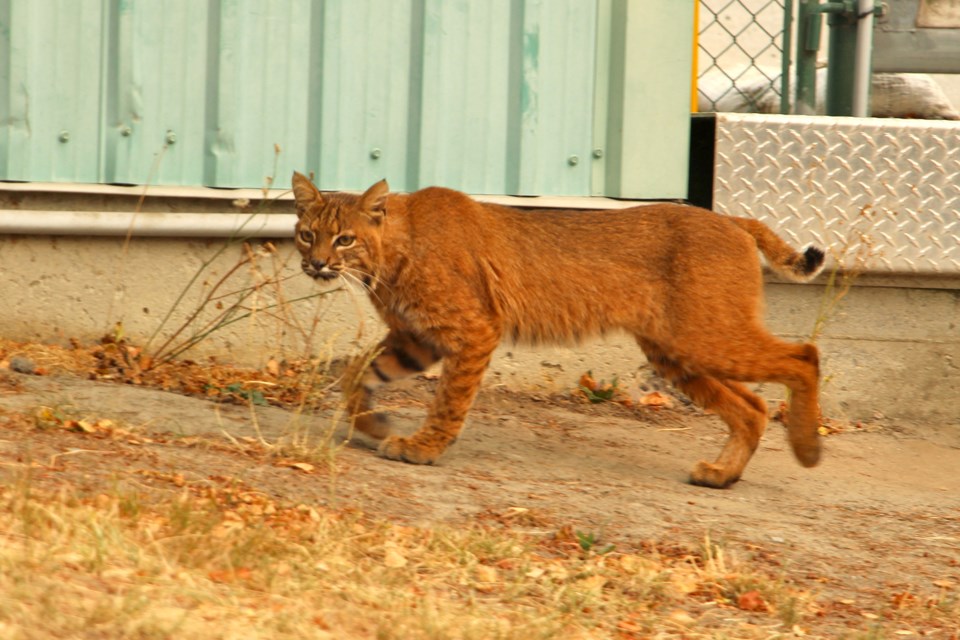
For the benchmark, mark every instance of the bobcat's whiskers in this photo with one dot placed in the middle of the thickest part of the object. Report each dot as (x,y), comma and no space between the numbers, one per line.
(361,279)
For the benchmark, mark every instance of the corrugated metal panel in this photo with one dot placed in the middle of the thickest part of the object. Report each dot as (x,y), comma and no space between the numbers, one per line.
(556,97)
(464,94)
(881,194)
(361,111)
(156,92)
(495,97)
(51,114)
(257,93)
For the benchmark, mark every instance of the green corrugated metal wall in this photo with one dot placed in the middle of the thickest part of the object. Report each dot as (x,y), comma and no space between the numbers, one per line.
(523,97)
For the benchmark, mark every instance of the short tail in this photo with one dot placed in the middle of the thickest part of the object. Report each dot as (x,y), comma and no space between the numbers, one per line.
(780,256)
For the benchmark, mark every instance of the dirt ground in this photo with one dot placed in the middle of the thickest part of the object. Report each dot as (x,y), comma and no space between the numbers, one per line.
(880,515)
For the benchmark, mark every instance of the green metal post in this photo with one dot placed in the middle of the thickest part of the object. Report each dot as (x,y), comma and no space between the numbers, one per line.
(808,42)
(785,56)
(842,60)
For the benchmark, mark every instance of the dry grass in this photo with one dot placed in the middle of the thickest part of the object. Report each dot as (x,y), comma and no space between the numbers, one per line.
(150,553)
(222,560)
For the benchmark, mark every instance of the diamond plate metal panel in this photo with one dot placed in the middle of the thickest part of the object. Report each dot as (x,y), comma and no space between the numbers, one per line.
(879,194)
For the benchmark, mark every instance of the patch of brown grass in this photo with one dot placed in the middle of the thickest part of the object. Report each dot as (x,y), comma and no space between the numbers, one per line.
(221,559)
(213,557)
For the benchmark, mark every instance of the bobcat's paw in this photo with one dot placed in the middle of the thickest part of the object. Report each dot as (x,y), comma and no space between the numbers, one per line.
(807,452)
(375,425)
(408,450)
(710,475)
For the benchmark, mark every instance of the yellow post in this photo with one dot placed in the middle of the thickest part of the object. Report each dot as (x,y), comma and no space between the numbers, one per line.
(693,71)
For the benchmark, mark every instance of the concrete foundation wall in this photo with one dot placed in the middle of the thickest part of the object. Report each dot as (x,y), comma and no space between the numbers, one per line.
(891,347)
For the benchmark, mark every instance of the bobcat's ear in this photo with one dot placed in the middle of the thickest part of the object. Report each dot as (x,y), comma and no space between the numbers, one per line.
(374,201)
(304,193)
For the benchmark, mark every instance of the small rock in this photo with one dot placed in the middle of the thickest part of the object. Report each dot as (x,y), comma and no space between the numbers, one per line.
(22,365)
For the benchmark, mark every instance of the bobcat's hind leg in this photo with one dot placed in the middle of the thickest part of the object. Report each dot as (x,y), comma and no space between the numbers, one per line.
(764,358)
(803,417)
(399,355)
(742,411)
(459,382)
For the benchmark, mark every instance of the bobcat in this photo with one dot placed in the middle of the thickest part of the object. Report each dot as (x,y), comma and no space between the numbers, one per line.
(452,277)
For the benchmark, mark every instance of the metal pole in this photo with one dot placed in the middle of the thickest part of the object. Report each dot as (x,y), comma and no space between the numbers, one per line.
(863,59)
(840,62)
(841,59)
(808,42)
(785,52)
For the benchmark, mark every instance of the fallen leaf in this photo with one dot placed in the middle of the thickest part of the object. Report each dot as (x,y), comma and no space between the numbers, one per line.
(118,573)
(752,601)
(46,417)
(629,626)
(593,584)
(657,400)
(780,414)
(393,558)
(306,467)
(71,559)
(587,381)
(486,573)
(83,426)
(679,616)
(684,582)
(903,599)
(273,367)
(229,575)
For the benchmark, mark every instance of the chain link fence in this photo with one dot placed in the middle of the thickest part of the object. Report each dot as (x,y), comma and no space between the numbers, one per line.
(740,54)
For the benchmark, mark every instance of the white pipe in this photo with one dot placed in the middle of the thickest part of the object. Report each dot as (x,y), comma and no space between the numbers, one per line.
(121,223)
(863,62)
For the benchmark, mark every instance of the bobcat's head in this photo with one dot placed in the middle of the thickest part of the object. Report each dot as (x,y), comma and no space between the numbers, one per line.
(338,234)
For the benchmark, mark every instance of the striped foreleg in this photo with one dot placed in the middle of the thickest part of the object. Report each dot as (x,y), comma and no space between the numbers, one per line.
(399,355)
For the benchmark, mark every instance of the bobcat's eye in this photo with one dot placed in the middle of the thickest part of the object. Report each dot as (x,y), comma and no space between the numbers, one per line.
(305,236)
(344,241)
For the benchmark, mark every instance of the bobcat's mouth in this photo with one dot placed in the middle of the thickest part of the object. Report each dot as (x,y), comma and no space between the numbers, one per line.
(323,275)
(326,273)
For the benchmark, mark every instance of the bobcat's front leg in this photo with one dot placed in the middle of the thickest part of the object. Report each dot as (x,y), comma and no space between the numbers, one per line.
(399,355)
(462,374)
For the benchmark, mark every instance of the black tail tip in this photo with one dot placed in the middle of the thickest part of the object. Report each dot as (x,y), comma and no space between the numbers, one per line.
(812,260)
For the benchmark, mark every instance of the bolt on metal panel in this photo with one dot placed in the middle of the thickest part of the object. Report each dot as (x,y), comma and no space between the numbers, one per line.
(879,194)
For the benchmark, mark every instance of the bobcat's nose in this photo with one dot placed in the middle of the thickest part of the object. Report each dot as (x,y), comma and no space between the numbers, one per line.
(320,269)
